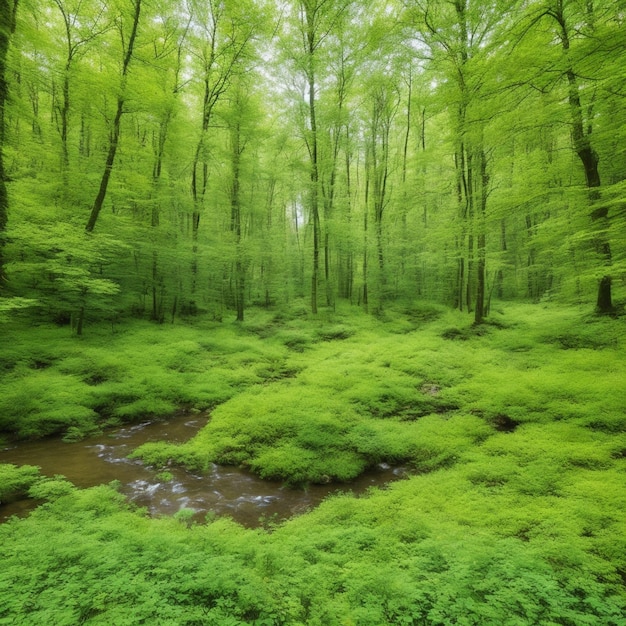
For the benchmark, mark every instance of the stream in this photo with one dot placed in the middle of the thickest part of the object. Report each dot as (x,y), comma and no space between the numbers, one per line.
(222,490)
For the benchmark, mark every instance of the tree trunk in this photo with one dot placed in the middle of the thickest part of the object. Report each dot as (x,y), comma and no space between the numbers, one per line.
(8,13)
(235,222)
(345,277)
(65,117)
(366,239)
(80,321)
(157,303)
(479,311)
(115,134)
(383,112)
(463,267)
(581,139)
(108,168)
(314,176)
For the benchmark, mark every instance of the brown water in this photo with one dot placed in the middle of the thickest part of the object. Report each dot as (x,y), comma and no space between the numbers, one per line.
(221,490)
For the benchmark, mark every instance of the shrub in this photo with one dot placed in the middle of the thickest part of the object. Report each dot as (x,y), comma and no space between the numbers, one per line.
(16,481)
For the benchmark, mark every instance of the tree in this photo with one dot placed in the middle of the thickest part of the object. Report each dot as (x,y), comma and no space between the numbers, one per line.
(168,46)
(224,33)
(382,101)
(458,35)
(127,49)
(378,152)
(83,24)
(581,129)
(238,141)
(315,22)
(579,51)
(8,17)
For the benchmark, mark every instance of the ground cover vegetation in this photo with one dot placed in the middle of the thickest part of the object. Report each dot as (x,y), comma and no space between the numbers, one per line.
(514,442)
(356,233)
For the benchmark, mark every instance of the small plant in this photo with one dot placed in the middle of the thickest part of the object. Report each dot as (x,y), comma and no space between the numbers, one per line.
(16,481)
(185,516)
(51,488)
(335,333)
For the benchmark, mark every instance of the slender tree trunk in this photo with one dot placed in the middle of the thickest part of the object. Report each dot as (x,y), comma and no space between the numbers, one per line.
(235,223)
(480,311)
(469,173)
(344,253)
(267,268)
(583,147)
(84,142)
(8,13)
(404,249)
(65,115)
(155,218)
(314,163)
(198,188)
(366,238)
(329,202)
(382,115)
(210,97)
(349,256)
(80,321)
(462,246)
(115,134)
(108,168)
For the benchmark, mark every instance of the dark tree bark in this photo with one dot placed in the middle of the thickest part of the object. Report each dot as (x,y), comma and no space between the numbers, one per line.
(235,218)
(313,151)
(8,14)
(115,132)
(480,309)
(581,139)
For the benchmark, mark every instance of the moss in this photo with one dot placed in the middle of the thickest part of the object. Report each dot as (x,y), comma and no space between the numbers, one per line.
(162,454)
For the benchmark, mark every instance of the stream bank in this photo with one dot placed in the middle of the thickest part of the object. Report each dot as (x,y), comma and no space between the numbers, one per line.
(222,490)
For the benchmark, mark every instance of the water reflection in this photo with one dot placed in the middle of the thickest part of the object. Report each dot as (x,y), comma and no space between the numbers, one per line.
(221,490)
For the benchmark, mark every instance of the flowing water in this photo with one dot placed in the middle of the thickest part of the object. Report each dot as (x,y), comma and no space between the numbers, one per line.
(221,490)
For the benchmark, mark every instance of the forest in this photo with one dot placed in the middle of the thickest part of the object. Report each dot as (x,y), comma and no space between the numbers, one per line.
(348,240)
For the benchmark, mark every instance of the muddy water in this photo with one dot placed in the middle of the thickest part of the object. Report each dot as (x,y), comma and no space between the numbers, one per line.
(221,490)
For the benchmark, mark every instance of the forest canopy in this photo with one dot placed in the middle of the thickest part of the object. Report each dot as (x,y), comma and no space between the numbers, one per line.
(166,158)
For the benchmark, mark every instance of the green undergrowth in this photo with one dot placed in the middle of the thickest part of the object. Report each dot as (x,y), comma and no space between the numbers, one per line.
(421,398)
(53,383)
(15,481)
(512,513)
(465,545)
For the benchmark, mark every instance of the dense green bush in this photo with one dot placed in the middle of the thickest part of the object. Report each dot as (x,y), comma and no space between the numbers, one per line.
(15,481)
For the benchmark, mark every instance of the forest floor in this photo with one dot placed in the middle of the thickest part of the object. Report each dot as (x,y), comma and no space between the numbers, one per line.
(514,433)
